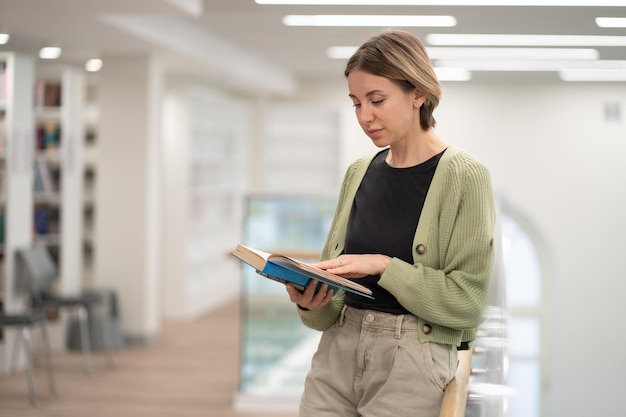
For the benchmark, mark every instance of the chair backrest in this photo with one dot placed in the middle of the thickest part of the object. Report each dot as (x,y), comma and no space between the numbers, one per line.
(36,266)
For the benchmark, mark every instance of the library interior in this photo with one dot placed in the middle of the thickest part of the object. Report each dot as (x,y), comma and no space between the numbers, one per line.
(142,140)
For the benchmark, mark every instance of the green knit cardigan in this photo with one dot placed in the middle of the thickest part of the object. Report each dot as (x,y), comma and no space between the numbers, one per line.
(447,286)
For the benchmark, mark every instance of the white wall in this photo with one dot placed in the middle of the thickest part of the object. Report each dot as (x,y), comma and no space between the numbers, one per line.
(552,153)
(554,156)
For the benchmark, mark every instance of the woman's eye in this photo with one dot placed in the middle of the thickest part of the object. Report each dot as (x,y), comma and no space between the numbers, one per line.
(377,102)
(357,105)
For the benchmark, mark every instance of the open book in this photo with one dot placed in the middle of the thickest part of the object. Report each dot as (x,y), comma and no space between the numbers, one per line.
(284,269)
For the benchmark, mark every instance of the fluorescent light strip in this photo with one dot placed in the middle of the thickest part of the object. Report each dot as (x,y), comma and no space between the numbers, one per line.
(344,52)
(453,74)
(369,20)
(571,3)
(442,39)
(340,52)
(520,65)
(592,75)
(4,38)
(611,22)
(512,53)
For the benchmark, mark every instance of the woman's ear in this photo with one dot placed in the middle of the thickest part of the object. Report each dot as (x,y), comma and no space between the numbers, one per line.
(419,98)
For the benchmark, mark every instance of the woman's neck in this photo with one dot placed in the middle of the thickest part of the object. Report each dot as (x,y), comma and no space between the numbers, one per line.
(415,151)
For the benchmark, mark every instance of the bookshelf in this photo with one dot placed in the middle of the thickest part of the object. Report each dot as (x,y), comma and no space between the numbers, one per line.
(58,176)
(16,133)
(206,173)
(47,172)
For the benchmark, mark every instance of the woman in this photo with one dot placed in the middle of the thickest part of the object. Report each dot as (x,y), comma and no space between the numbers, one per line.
(414,223)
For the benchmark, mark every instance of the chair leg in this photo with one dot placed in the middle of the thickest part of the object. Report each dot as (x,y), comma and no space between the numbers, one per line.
(15,352)
(25,334)
(85,337)
(107,342)
(46,341)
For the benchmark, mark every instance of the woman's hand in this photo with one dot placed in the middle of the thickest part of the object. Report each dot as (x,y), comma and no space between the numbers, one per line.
(310,299)
(355,266)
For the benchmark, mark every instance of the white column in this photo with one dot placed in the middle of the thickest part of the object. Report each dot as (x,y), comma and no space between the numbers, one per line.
(20,136)
(72,175)
(128,234)
(17,171)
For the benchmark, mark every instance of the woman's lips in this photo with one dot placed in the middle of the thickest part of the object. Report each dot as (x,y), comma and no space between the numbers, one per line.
(374,133)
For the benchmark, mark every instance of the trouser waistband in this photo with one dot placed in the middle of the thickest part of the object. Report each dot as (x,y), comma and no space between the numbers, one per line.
(398,323)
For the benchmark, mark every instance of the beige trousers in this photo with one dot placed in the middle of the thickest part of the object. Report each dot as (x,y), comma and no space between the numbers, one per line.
(371,364)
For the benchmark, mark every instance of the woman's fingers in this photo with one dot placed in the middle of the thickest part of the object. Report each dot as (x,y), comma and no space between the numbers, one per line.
(312,297)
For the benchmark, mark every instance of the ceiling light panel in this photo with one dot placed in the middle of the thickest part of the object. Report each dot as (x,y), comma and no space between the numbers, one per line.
(344,52)
(93,65)
(593,75)
(443,39)
(611,22)
(4,38)
(512,53)
(570,3)
(50,52)
(526,65)
(453,74)
(369,20)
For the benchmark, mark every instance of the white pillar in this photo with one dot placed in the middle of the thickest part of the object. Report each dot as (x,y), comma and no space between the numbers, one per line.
(128,235)
(16,185)
(72,175)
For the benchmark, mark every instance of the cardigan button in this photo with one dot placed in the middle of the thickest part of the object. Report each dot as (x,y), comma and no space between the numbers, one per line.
(427,328)
(420,249)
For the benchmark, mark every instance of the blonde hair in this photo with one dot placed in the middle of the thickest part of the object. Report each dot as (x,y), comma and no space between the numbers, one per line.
(402,58)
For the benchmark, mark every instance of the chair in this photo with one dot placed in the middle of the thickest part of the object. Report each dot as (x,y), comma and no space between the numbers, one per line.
(24,322)
(455,395)
(40,272)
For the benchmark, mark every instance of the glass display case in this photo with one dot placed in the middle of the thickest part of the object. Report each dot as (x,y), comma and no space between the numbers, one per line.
(276,348)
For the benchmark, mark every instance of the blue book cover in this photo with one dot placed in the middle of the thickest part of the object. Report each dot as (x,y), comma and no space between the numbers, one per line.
(284,269)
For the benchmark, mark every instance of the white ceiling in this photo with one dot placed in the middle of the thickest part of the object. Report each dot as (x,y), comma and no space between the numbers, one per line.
(240,36)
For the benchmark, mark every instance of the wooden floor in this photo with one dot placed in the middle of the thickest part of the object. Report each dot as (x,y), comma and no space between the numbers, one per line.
(191,372)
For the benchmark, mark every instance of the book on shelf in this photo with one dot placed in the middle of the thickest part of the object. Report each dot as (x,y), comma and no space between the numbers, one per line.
(41,222)
(48,94)
(43,178)
(285,269)
(48,135)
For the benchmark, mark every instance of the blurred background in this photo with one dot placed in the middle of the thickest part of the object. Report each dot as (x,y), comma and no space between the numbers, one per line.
(141,140)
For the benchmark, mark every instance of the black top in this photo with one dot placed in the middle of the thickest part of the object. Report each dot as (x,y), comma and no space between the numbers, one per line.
(383,220)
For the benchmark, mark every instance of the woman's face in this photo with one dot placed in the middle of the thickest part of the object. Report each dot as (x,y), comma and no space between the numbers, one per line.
(386,113)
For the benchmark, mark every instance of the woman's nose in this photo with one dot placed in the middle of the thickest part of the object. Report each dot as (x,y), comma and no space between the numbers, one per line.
(365,115)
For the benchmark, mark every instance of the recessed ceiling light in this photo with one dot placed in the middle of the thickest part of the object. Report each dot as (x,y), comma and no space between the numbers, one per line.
(93,65)
(596,3)
(369,20)
(442,39)
(611,22)
(4,38)
(50,52)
